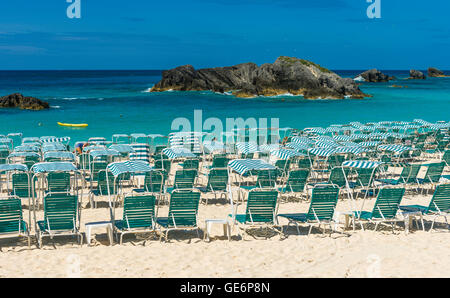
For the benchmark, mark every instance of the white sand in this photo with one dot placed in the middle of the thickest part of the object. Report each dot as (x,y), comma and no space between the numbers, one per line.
(344,254)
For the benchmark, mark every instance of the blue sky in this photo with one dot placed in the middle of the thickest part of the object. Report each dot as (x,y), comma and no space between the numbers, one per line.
(147,34)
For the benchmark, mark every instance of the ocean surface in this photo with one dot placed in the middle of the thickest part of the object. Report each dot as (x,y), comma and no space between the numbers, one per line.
(119,102)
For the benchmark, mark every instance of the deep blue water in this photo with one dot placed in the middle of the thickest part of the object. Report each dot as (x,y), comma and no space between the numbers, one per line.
(116,102)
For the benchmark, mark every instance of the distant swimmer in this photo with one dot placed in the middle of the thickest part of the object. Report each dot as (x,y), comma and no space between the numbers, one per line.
(79,148)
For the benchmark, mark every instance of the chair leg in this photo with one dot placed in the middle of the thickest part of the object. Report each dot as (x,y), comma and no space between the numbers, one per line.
(81,239)
(423,224)
(432,224)
(298,228)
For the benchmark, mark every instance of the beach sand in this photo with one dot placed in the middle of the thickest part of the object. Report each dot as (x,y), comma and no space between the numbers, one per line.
(343,254)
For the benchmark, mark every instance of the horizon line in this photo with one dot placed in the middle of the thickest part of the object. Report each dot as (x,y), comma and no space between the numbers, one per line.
(156,69)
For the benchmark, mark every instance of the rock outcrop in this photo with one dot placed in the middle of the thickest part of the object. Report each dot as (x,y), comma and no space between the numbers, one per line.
(17,100)
(416,75)
(285,75)
(398,86)
(436,73)
(373,76)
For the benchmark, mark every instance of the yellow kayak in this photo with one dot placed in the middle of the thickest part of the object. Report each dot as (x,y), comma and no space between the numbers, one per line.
(73,125)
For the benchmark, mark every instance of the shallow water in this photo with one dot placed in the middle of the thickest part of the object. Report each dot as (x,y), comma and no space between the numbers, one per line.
(116,102)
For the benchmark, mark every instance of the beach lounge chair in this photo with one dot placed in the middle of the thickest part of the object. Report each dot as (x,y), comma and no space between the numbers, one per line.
(219,162)
(321,210)
(158,150)
(58,182)
(296,182)
(104,187)
(61,217)
(364,181)
(446,157)
(439,205)
(260,211)
(165,165)
(405,175)
(20,186)
(141,151)
(217,183)
(385,208)
(138,216)
(337,178)
(304,163)
(97,167)
(283,166)
(184,179)
(246,155)
(335,161)
(3,156)
(11,219)
(433,174)
(265,179)
(191,164)
(154,182)
(31,160)
(183,211)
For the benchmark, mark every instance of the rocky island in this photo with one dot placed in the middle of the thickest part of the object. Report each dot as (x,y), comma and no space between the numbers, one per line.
(436,73)
(373,76)
(17,100)
(285,75)
(416,75)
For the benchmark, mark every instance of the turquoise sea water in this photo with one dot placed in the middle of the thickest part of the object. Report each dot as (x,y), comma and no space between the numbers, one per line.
(116,102)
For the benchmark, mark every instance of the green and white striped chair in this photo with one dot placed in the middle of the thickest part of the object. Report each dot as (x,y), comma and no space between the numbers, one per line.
(439,205)
(385,208)
(183,212)
(138,216)
(61,217)
(11,219)
(260,211)
(321,210)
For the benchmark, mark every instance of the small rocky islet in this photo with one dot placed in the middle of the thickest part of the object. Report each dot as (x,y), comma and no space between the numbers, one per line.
(416,75)
(436,73)
(19,101)
(286,75)
(373,76)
